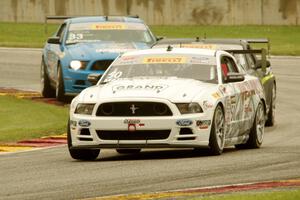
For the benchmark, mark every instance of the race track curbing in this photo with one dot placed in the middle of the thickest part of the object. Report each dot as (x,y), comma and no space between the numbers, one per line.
(30,144)
(206,191)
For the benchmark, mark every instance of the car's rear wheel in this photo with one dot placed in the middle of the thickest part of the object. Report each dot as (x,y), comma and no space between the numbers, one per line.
(46,89)
(217,133)
(257,131)
(128,151)
(60,88)
(271,114)
(81,154)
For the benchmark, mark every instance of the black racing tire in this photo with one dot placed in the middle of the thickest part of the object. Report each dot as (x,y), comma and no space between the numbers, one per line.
(80,154)
(60,88)
(217,133)
(128,151)
(46,90)
(271,114)
(257,131)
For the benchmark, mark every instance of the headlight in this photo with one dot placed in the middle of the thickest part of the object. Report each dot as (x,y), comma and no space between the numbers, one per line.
(188,108)
(76,64)
(84,108)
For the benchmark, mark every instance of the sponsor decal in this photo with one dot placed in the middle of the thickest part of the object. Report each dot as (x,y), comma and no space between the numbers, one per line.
(222,89)
(207,104)
(184,122)
(165,60)
(157,88)
(203,124)
(216,95)
(233,99)
(108,26)
(199,46)
(84,123)
(200,60)
(133,123)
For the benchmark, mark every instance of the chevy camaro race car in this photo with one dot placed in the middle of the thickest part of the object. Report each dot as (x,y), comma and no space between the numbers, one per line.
(88,45)
(168,98)
(260,68)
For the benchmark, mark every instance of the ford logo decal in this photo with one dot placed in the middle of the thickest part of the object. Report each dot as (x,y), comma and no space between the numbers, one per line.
(84,123)
(184,122)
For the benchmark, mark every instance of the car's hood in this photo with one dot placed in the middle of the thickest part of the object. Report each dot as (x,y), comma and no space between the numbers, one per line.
(88,51)
(172,89)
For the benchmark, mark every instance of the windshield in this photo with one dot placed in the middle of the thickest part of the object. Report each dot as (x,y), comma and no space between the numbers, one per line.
(108,31)
(158,66)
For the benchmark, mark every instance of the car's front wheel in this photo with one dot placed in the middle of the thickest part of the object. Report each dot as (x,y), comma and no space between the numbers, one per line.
(81,154)
(217,133)
(128,151)
(60,88)
(46,90)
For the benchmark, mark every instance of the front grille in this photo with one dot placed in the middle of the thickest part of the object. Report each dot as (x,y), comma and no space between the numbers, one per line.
(133,135)
(101,64)
(133,109)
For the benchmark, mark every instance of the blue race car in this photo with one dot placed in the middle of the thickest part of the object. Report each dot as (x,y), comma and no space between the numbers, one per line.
(85,46)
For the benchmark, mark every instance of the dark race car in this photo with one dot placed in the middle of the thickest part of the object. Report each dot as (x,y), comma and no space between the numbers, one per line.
(84,46)
(257,66)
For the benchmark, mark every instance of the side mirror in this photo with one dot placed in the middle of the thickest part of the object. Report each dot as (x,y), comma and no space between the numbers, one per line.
(94,78)
(53,40)
(234,77)
(259,64)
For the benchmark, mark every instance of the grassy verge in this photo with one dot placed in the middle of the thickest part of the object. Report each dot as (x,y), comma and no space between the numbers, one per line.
(285,40)
(24,119)
(275,195)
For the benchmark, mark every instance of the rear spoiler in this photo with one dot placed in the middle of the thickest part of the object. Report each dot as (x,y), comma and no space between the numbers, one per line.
(262,51)
(259,41)
(64,17)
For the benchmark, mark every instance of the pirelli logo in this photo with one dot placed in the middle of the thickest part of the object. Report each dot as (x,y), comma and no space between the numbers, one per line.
(108,26)
(165,60)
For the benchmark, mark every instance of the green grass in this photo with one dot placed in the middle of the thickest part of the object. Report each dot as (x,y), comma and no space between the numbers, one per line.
(265,195)
(285,40)
(24,119)
(24,34)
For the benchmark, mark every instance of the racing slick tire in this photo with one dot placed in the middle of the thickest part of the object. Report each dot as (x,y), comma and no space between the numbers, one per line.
(271,114)
(128,151)
(80,154)
(60,88)
(217,133)
(46,90)
(257,131)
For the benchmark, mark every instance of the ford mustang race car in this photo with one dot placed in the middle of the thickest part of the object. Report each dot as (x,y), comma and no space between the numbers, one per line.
(168,98)
(87,45)
(245,56)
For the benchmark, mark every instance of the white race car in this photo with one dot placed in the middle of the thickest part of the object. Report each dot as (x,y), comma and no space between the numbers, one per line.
(168,98)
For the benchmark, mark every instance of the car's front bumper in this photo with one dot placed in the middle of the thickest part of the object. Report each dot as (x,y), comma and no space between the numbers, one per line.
(194,135)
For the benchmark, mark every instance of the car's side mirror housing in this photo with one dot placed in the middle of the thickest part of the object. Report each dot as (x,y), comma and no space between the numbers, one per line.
(94,78)
(258,64)
(234,77)
(53,40)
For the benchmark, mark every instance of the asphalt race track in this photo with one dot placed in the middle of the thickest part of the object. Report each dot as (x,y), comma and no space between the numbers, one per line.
(52,174)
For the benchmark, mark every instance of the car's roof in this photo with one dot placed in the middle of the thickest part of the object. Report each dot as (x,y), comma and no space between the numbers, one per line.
(171,50)
(105,19)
